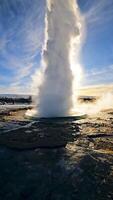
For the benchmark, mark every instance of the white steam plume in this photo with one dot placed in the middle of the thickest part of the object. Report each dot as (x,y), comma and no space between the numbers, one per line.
(60,69)
(104,102)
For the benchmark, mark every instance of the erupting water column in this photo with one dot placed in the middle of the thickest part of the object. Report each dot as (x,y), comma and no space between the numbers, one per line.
(61,71)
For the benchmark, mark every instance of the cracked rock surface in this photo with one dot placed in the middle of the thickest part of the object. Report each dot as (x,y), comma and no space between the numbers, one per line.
(66,159)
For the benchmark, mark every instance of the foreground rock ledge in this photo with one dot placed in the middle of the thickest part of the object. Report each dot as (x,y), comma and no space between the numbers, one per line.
(26,139)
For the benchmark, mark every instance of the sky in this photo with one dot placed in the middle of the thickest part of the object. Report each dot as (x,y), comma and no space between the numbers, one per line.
(22,36)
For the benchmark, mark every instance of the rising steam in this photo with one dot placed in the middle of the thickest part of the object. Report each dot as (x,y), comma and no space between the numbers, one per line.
(104,102)
(57,79)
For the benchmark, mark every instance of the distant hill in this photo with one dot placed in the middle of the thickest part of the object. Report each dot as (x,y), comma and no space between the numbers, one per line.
(15,99)
(14,96)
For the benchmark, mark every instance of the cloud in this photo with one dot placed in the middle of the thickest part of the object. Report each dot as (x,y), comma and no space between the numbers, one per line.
(99,14)
(98,75)
(2,78)
(96,90)
(21,31)
(15,90)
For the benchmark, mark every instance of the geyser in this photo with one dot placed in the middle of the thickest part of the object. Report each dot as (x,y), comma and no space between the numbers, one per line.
(59,72)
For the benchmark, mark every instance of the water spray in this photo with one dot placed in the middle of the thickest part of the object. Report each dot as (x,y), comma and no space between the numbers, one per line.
(60,70)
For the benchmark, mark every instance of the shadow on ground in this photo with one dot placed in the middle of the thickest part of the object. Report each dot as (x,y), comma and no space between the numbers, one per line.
(77,171)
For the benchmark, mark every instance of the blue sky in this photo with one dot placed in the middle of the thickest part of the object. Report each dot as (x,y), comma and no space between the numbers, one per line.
(21,39)
(97,50)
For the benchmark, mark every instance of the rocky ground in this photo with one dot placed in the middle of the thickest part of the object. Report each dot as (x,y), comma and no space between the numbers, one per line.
(56,159)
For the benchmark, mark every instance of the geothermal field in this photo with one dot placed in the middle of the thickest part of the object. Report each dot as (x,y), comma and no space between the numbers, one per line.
(55,144)
(56,158)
